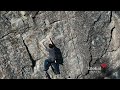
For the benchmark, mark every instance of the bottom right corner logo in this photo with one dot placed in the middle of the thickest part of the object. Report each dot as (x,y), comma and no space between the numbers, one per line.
(103,65)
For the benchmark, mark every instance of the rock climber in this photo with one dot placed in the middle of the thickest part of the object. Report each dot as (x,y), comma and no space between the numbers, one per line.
(51,60)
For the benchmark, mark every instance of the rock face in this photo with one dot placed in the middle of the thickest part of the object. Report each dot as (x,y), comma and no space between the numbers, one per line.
(85,38)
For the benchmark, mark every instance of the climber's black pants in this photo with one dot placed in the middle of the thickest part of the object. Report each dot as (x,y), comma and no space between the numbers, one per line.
(54,66)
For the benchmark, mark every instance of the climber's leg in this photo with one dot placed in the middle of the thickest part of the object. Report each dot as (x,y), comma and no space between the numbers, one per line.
(46,64)
(47,75)
(55,68)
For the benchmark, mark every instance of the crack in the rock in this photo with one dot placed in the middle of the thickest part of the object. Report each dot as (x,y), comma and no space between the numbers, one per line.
(111,15)
(89,39)
(114,49)
(55,21)
(105,49)
(97,20)
(3,18)
(13,32)
(89,64)
(5,35)
(29,27)
(91,59)
(31,58)
(25,25)
(34,17)
(4,13)
(78,76)
(92,28)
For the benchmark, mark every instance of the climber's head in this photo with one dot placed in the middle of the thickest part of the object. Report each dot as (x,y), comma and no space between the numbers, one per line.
(51,46)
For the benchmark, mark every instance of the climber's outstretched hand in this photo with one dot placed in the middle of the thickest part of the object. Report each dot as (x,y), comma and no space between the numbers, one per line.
(52,41)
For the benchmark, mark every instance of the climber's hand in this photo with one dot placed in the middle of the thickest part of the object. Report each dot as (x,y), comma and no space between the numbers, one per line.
(50,39)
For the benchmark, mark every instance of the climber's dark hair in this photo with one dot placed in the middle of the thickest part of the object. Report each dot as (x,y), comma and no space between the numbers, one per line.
(51,45)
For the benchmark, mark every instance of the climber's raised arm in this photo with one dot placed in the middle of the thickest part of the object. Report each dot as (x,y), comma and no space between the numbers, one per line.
(52,42)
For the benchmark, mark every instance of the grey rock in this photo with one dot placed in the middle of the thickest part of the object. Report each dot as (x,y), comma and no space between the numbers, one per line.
(85,38)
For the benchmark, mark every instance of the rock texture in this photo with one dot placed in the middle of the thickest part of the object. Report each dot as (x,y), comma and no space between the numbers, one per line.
(85,38)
